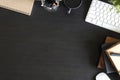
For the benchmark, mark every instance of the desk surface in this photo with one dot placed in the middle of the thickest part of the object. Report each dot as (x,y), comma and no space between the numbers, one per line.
(50,46)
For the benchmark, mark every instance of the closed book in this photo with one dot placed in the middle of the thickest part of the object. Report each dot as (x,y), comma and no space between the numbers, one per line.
(21,6)
(113,54)
(108,65)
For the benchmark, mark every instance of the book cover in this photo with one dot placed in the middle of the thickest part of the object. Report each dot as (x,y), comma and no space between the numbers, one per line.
(113,54)
(21,6)
(108,65)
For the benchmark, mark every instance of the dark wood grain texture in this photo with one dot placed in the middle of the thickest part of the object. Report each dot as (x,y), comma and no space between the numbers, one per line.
(49,46)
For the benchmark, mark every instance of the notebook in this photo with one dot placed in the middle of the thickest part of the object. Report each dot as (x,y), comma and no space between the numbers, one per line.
(21,6)
(113,54)
(108,40)
(108,65)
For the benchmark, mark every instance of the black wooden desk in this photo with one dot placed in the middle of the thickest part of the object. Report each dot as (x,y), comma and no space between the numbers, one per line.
(50,46)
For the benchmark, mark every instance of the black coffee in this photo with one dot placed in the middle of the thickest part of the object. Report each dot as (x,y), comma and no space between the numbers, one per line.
(72,3)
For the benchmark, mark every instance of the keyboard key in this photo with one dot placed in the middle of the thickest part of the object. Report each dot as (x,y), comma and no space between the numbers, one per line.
(89,19)
(99,23)
(92,16)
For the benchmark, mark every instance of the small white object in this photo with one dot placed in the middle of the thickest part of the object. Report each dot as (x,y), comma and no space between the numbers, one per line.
(102,76)
(104,16)
(42,2)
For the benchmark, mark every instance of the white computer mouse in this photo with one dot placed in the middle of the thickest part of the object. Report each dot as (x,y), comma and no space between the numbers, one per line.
(102,76)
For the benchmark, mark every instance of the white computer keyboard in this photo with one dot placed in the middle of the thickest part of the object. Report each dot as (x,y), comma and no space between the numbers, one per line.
(104,15)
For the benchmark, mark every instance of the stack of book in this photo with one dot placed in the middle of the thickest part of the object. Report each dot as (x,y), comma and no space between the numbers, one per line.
(110,56)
